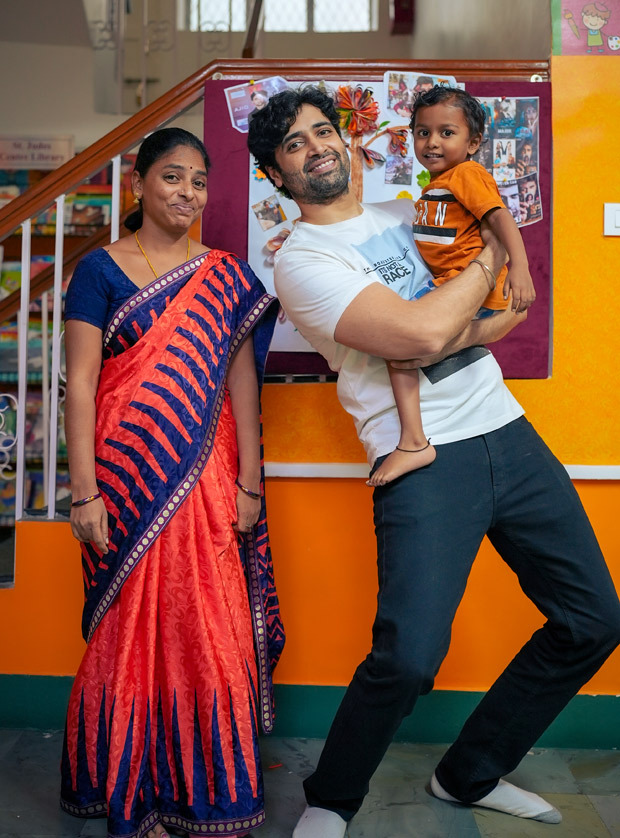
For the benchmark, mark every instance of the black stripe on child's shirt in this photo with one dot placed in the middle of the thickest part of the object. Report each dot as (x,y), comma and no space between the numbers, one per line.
(444,232)
(447,198)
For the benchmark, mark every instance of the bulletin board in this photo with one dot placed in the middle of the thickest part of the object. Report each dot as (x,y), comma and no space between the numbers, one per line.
(525,353)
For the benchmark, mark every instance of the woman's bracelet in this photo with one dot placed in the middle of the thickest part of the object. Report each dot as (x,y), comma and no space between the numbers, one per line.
(248,492)
(84,501)
(488,273)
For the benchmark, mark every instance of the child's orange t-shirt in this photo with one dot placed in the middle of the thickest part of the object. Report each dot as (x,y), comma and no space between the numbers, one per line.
(447,223)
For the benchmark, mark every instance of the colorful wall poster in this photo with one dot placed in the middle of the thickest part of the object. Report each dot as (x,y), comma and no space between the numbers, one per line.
(244,99)
(583,28)
(402,89)
(509,151)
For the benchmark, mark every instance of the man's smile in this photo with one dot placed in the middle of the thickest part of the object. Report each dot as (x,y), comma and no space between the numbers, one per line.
(323,164)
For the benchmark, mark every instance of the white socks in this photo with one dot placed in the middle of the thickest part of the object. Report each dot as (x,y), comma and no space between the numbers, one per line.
(320,823)
(508,799)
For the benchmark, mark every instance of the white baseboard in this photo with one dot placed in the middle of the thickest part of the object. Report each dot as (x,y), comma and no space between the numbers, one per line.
(360,470)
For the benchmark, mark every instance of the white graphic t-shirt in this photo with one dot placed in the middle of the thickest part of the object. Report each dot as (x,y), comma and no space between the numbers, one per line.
(320,270)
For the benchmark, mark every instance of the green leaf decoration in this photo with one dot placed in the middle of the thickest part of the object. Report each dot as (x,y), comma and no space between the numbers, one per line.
(423,178)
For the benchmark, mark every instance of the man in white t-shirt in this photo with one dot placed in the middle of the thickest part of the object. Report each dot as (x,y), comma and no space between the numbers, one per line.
(346,277)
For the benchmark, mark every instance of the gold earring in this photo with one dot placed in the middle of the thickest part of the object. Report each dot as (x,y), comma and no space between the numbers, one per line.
(136,200)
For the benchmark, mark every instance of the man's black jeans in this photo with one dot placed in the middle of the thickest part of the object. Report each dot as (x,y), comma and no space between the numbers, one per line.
(429,525)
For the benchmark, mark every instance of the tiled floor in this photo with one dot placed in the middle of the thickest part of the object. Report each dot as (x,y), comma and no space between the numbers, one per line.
(584,785)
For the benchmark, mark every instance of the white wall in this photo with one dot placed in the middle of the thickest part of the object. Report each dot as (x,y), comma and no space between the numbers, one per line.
(482,29)
(44,22)
(49,90)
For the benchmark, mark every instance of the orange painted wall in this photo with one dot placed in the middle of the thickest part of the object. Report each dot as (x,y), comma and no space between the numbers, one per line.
(326,577)
(321,529)
(40,616)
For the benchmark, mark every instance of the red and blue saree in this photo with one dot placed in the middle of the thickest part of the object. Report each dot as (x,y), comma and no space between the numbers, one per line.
(181,615)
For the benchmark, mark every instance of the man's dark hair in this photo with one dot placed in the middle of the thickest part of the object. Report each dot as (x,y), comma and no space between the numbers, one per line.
(475,114)
(270,125)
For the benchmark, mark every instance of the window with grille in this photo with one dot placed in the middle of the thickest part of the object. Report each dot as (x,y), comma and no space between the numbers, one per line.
(280,15)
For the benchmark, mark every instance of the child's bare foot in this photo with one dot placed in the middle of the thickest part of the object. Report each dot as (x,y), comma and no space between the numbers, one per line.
(401,461)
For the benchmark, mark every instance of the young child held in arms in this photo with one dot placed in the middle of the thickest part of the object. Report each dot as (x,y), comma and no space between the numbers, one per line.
(447,125)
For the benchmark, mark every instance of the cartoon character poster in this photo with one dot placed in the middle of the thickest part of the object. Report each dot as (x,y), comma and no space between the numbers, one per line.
(585,28)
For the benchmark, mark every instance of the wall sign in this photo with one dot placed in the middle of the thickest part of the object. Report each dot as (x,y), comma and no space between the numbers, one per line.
(35,152)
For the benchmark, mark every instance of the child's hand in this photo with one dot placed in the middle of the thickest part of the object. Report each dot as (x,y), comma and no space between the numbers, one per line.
(519,284)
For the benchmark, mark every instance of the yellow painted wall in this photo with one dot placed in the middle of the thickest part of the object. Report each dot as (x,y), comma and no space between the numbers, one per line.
(577,409)
(321,529)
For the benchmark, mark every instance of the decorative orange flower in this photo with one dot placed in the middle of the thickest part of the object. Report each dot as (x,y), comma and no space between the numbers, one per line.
(398,140)
(358,110)
(371,157)
(358,116)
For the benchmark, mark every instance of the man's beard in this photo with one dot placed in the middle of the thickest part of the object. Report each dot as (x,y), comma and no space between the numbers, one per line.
(322,189)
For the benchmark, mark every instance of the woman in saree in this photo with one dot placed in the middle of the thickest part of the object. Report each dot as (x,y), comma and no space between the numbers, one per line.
(166,341)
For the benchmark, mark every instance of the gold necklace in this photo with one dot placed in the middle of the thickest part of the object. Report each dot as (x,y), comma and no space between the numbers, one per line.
(148,261)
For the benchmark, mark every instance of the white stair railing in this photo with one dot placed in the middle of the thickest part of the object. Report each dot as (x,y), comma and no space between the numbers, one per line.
(52,376)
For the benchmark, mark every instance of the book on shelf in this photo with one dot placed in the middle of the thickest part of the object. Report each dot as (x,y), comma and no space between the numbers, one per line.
(11,278)
(87,207)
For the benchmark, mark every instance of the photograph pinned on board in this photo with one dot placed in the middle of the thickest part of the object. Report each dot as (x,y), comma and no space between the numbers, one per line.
(489,122)
(484,155)
(509,192)
(529,199)
(244,99)
(527,157)
(269,212)
(504,118)
(399,170)
(402,89)
(503,160)
(527,119)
